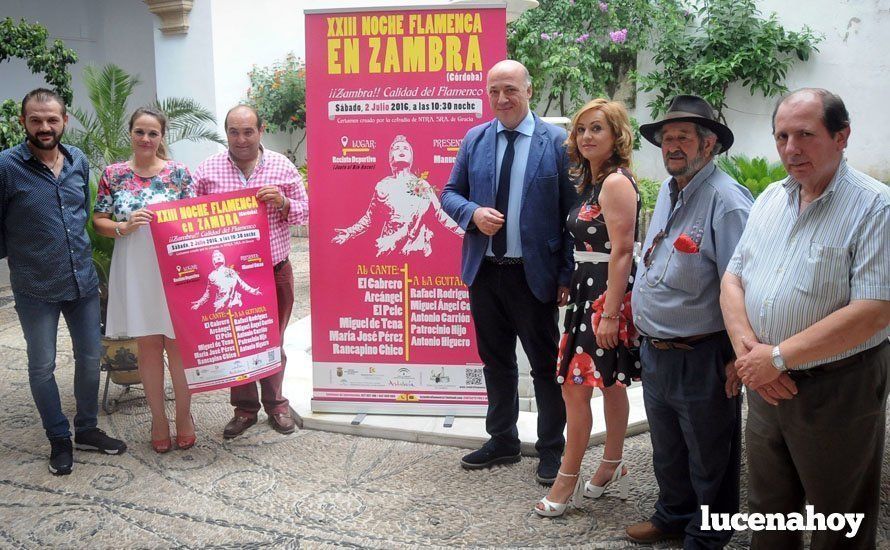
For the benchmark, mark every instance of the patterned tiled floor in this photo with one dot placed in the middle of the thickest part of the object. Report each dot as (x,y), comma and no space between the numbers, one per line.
(308,490)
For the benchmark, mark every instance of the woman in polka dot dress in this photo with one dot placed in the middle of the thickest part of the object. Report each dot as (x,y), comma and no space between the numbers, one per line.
(599,347)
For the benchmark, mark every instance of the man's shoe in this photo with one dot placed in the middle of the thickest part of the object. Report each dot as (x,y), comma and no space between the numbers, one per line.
(96,440)
(647,533)
(488,456)
(237,426)
(548,467)
(282,423)
(61,457)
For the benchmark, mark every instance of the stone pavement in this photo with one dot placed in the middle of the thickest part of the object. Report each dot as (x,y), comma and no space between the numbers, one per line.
(311,489)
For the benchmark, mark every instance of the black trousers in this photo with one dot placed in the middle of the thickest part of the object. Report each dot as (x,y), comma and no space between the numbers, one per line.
(824,447)
(503,309)
(696,436)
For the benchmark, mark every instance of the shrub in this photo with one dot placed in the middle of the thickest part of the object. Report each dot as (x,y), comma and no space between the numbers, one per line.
(754,173)
(28,41)
(278,93)
(648,192)
(713,44)
(576,49)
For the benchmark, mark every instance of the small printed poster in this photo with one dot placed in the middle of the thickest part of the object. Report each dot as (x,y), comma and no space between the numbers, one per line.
(216,266)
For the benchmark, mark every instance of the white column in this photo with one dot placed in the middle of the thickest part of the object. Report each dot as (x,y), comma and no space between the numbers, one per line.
(185,66)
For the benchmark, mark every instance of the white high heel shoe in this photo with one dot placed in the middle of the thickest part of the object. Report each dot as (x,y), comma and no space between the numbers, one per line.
(556,509)
(595,491)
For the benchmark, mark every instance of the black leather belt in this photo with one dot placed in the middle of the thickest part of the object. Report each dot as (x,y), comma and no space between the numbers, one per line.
(798,375)
(277,267)
(503,261)
(682,343)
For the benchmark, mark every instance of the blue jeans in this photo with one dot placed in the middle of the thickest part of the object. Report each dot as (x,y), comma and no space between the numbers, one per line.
(40,323)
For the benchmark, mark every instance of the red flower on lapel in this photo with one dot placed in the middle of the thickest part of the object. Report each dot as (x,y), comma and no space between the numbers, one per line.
(684,243)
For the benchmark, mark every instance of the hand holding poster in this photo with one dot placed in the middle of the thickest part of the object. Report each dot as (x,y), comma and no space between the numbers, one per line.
(216,266)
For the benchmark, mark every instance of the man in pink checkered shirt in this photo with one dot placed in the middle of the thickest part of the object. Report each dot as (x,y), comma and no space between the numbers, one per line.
(278,184)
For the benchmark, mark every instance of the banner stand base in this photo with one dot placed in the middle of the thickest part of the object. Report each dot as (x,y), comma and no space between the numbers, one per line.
(448,422)
(464,432)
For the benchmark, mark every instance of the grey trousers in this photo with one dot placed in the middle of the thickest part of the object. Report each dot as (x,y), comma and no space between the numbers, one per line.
(825,447)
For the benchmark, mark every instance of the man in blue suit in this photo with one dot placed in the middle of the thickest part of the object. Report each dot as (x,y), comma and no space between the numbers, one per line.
(510,192)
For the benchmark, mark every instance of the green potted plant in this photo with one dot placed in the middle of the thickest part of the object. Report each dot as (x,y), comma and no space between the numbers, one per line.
(648,195)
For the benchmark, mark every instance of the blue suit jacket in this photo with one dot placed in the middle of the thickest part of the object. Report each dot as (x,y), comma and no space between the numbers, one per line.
(547,197)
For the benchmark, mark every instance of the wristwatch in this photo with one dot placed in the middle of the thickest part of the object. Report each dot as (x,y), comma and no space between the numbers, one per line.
(778,361)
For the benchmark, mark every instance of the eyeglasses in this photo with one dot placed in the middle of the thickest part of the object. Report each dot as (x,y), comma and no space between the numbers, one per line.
(647,256)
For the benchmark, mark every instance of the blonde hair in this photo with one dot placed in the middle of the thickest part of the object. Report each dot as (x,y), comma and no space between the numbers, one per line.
(616,116)
(162,120)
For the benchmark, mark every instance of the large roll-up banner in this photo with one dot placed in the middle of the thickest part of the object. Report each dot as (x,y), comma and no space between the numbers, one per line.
(390,96)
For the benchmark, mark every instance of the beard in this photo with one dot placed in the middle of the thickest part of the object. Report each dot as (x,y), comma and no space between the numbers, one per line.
(692,165)
(34,139)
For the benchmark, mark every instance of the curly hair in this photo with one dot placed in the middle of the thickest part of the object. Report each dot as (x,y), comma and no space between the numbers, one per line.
(616,116)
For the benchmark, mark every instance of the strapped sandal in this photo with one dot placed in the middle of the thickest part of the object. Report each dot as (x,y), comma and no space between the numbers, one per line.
(595,491)
(555,509)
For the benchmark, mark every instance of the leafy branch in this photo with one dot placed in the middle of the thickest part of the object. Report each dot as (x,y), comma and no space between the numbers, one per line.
(28,41)
(576,49)
(105,137)
(710,45)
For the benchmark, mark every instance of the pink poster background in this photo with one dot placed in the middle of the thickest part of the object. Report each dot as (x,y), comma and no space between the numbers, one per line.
(216,267)
(390,96)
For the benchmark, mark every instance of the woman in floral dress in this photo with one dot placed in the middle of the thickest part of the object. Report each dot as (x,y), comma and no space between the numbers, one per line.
(599,347)
(137,307)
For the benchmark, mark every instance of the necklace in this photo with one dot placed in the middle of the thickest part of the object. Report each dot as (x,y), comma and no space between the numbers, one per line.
(52,167)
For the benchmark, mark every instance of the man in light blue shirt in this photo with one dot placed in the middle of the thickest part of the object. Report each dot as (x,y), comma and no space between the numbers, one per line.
(690,388)
(510,191)
(525,129)
(807,303)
